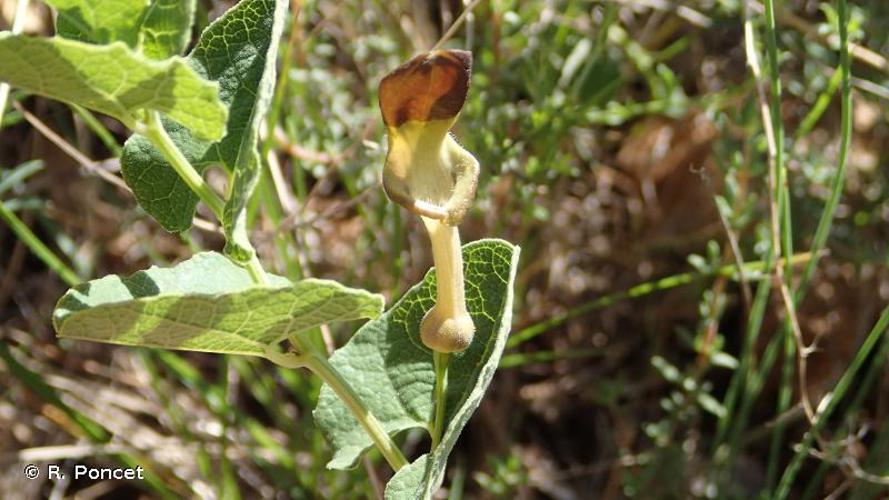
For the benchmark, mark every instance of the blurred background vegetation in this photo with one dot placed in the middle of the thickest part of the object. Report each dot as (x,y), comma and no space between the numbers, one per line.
(622,146)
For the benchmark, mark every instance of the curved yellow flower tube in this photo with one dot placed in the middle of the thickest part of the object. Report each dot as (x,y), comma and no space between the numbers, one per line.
(431,175)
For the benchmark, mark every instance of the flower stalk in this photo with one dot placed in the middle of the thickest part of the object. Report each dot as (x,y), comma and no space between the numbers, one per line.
(447,327)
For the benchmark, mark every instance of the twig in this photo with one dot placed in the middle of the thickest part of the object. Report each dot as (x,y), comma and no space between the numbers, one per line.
(294,221)
(456,25)
(791,415)
(375,482)
(92,166)
(297,151)
(842,386)
(66,147)
(803,351)
(838,492)
(850,465)
(871,87)
(205,225)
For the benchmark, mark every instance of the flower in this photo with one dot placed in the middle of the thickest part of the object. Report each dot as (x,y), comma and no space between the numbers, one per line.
(430,174)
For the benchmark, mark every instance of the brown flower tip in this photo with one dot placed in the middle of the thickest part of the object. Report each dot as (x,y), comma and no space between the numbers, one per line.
(431,86)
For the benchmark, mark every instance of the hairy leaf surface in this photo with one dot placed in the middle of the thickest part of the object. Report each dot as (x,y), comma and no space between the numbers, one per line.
(114,80)
(158,28)
(166,28)
(206,303)
(100,21)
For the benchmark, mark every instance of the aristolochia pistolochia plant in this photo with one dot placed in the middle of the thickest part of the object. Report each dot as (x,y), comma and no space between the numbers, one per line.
(206,108)
(430,174)
(428,360)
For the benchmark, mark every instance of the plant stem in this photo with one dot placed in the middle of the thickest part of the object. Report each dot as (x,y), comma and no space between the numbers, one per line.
(155,132)
(820,240)
(98,128)
(440,361)
(318,364)
(38,247)
(834,399)
(447,327)
(315,361)
(839,179)
(820,106)
(641,290)
(782,238)
(257,273)
(158,136)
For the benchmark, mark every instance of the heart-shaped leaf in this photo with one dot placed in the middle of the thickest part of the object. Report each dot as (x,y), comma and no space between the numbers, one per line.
(392,372)
(206,303)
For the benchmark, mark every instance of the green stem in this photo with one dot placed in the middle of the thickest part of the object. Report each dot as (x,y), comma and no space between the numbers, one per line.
(784,241)
(38,247)
(732,423)
(98,128)
(318,364)
(838,182)
(315,361)
(753,383)
(155,132)
(785,397)
(640,290)
(158,136)
(747,361)
(257,273)
(820,240)
(836,396)
(440,360)
(820,106)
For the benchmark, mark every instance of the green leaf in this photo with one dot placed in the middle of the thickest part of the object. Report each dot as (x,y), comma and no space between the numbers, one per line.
(392,372)
(206,303)
(166,28)
(112,79)
(247,162)
(238,51)
(158,29)
(99,21)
